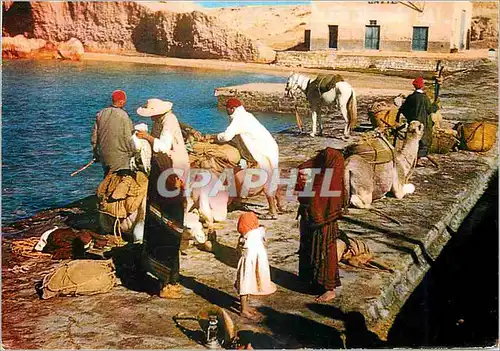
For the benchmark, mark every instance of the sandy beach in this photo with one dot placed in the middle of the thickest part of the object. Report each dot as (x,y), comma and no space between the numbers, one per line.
(369,83)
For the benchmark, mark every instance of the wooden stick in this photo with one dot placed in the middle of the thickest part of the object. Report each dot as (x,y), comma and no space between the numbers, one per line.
(83,168)
(300,124)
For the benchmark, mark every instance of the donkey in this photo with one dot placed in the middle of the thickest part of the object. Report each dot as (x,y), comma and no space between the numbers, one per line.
(325,90)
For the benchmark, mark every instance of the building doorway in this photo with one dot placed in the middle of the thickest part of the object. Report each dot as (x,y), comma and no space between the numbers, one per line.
(307,39)
(372,37)
(333,38)
(420,38)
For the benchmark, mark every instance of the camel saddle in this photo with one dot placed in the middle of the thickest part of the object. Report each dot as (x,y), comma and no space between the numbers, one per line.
(375,149)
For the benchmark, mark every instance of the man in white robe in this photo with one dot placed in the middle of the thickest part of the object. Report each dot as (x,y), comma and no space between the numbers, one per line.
(259,142)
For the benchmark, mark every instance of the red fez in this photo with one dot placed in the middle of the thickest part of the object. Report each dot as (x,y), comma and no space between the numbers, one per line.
(233,103)
(418,83)
(118,95)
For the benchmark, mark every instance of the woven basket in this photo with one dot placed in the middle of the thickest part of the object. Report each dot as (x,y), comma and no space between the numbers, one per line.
(477,136)
(444,141)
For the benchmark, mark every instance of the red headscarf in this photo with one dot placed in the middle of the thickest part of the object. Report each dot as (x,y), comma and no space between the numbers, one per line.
(248,221)
(233,103)
(418,83)
(118,95)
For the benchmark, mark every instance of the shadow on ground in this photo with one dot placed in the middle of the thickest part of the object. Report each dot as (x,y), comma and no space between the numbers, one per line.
(456,305)
(299,332)
(356,332)
(228,256)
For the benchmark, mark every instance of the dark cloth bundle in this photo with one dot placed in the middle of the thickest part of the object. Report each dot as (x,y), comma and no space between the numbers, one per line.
(67,243)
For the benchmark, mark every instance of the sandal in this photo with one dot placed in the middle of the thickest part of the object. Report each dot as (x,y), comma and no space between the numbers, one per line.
(267,217)
(284,210)
(170,292)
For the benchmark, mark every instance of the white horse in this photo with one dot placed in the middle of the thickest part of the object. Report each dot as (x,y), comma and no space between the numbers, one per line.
(338,91)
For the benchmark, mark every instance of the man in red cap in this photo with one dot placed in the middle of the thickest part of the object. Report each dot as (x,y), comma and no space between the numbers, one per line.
(418,107)
(111,135)
(258,143)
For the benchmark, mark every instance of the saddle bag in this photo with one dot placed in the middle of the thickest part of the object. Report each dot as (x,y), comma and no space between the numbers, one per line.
(444,141)
(374,149)
(119,196)
(477,136)
(326,82)
(80,277)
(383,115)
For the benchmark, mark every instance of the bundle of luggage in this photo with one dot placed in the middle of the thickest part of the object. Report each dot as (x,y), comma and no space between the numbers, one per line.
(477,136)
(375,148)
(383,114)
(121,193)
(214,156)
(80,277)
(444,140)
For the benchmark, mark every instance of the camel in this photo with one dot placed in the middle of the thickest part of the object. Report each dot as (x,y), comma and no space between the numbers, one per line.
(365,181)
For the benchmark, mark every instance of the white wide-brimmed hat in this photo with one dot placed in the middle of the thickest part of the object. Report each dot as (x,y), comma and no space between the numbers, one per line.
(154,107)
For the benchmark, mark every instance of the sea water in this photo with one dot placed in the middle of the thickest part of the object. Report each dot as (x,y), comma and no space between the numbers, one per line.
(49,107)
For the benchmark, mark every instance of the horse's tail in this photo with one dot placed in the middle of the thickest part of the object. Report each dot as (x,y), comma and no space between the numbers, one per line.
(352,110)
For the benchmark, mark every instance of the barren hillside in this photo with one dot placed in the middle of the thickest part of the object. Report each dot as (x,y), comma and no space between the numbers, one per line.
(279,27)
(162,28)
(172,6)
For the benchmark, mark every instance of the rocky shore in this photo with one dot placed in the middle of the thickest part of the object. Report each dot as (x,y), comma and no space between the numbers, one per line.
(130,316)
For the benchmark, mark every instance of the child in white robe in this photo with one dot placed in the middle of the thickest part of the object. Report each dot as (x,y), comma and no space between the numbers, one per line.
(253,274)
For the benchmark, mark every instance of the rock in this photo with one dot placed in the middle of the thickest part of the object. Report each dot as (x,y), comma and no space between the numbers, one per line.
(71,50)
(21,47)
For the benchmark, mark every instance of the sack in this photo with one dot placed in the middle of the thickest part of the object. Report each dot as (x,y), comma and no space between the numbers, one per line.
(444,141)
(477,136)
(80,277)
(119,196)
(352,249)
(375,149)
(214,156)
(383,115)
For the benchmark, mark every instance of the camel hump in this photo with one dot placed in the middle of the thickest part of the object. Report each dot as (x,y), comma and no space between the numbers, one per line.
(327,82)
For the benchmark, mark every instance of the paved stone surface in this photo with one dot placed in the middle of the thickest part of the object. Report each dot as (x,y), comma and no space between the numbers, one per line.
(131,317)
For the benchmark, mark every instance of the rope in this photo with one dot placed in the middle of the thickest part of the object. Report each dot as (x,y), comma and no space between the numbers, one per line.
(25,248)
(473,134)
(116,227)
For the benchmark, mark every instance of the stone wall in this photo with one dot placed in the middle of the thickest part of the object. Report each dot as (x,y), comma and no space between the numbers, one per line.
(334,60)
(264,100)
